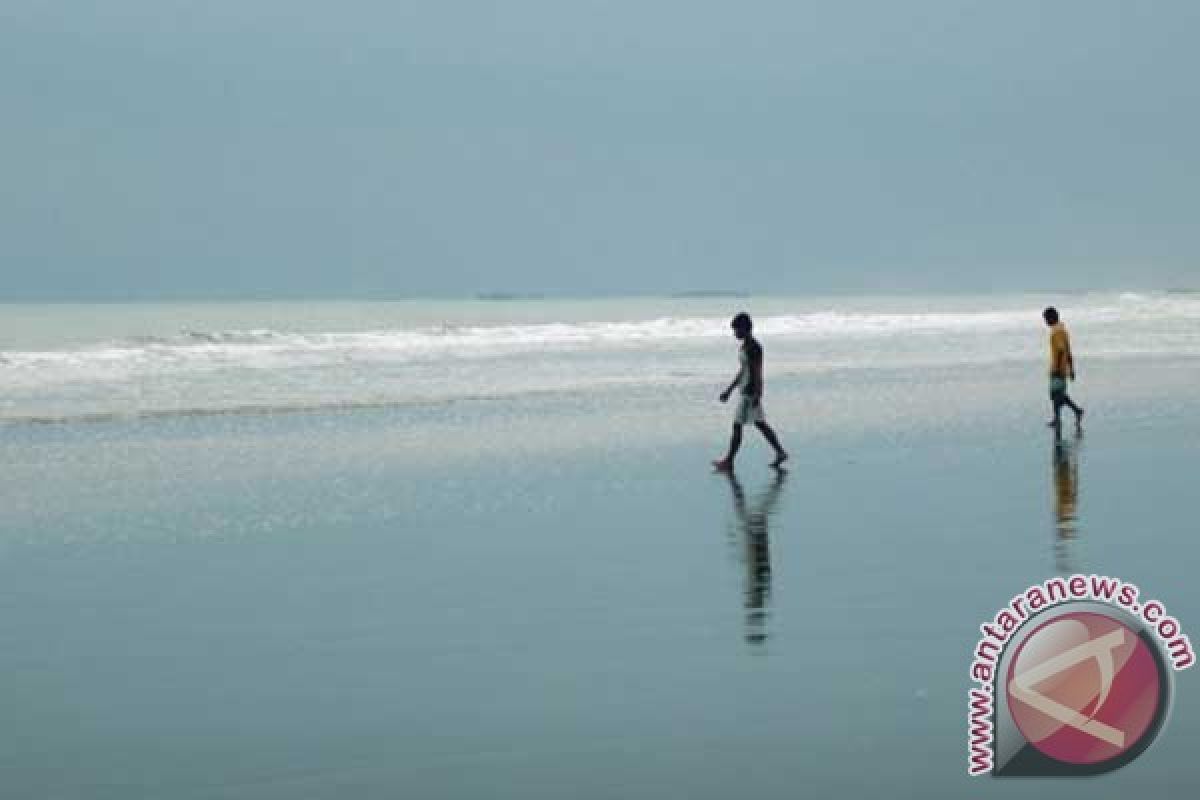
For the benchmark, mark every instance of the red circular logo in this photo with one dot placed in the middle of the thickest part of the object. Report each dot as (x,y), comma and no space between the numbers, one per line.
(1084,688)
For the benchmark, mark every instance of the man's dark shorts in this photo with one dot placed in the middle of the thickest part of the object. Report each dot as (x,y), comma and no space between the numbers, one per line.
(1058,390)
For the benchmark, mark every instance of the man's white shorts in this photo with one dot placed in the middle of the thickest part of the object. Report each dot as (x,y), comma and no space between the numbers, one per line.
(747,411)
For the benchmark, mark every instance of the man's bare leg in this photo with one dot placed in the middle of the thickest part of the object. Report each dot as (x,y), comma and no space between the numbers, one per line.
(735,442)
(1056,403)
(780,454)
(1078,412)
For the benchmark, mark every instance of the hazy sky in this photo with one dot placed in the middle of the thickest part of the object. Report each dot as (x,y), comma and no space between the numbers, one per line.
(226,148)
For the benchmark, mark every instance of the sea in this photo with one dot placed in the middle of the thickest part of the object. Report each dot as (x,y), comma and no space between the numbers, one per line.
(71,363)
(458,549)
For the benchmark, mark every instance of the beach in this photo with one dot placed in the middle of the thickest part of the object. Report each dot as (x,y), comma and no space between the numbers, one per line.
(294,560)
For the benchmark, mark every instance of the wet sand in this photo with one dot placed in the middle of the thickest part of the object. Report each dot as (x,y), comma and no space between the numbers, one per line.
(558,598)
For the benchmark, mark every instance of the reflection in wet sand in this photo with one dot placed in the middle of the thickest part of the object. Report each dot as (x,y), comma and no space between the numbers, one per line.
(750,531)
(1066,503)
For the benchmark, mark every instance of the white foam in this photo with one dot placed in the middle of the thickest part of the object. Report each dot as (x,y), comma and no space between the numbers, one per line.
(254,367)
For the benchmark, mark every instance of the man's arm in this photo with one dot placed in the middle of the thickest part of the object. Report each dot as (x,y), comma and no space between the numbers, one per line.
(729,389)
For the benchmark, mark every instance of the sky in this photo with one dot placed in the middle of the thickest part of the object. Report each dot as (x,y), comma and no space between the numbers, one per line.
(224,149)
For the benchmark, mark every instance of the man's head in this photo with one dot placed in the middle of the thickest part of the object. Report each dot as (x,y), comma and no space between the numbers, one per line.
(1050,315)
(741,325)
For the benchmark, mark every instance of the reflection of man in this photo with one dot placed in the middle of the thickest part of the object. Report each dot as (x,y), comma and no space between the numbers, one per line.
(751,525)
(1066,501)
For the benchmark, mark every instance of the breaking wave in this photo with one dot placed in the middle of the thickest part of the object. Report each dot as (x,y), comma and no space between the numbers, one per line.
(264,370)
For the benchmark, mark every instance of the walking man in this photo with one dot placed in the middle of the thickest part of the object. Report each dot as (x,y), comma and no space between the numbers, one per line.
(749,381)
(1062,369)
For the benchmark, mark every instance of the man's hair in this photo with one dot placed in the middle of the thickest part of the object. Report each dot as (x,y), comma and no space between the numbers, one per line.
(1050,315)
(742,320)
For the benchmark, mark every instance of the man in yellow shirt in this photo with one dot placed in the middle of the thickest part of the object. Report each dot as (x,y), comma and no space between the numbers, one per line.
(1062,369)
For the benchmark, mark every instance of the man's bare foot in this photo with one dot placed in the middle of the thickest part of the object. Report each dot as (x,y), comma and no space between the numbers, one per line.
(780,457)
(723,465)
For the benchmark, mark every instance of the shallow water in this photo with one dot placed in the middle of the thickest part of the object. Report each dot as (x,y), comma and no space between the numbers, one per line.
(552,595)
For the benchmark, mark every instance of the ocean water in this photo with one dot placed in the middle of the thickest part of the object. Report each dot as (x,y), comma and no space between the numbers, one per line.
(65,362)
(489,558)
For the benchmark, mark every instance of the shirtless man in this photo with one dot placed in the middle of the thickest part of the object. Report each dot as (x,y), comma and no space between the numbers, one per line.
(749,381)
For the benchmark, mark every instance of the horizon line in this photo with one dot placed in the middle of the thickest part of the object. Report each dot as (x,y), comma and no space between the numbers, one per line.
(534,296)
